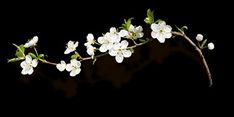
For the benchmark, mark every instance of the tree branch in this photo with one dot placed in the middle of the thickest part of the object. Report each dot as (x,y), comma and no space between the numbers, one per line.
(200,53)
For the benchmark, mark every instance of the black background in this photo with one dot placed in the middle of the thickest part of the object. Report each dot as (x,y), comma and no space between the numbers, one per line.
(174,78)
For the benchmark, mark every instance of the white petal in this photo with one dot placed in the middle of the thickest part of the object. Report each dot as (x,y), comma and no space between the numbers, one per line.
(28,59)
(90,37)
(103,48)
(161,39)
(75,72)
(23,64)
(69,67)
(24,72)
(26,45)
(62,66)
(139,28)
(211,46)
(67,51)
(34,62)
(168,35)
(154,34)
(162,23)
(141,35)
(154,27)
(30,71)
(127,53)
(131,28)
(112,52)
(100,40)
(199,37)
(34,40)
(119,58)
(124,44)
(123,33)
(167,28)
(113,30)
(76,44)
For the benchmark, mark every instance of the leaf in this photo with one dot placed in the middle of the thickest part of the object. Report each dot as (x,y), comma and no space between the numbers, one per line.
(14,59)
(132,50)
(74,56)
(20,50)
(41,56)
(142,40)
(182,29)
(127,23)
(150,17)
(159,20)
(203,43)
(32,55)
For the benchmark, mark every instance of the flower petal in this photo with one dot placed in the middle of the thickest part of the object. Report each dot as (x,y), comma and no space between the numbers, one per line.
(124,44)
(103,48)
(127,53)
(75,72)
(112,52)
(34,62)
(154,34)
(69,67)
(119,58)
(90,37)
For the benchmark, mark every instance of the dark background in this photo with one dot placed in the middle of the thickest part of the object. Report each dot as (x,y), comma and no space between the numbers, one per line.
(162,74)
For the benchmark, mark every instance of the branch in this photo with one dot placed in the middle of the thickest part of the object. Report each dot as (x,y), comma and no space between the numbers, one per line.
(200,53)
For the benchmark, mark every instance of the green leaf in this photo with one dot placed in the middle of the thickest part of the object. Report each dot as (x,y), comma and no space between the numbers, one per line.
(74,56)
(142,40)
(132,50)
(203,43)
(41,56)
(159,20)
(14,59)
(20,50)
(150,17)
(94,60)
(32,55)
(127,23)
(182,29)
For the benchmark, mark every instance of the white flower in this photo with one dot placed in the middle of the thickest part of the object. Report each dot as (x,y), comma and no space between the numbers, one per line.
(31,42)
(28,65)
(91,50)
(120,51)
(199,37)
(210,46)
(107,41)
(71,46)
(61,66)
(90,40)
(161,31)
(135,32)
(73,67)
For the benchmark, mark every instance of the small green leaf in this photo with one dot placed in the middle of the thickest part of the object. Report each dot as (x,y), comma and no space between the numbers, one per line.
(132,50)
(150,17)
(32,55)
(94,60)
(203,43)
(184,27)
(142,40)
(41,56)
(127,23)
(14,59)
(159,20)
(74,56)
(20,50)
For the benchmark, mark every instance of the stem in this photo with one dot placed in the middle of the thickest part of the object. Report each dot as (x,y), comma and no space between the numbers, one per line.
(200,53)
(47,62)
(35,51)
